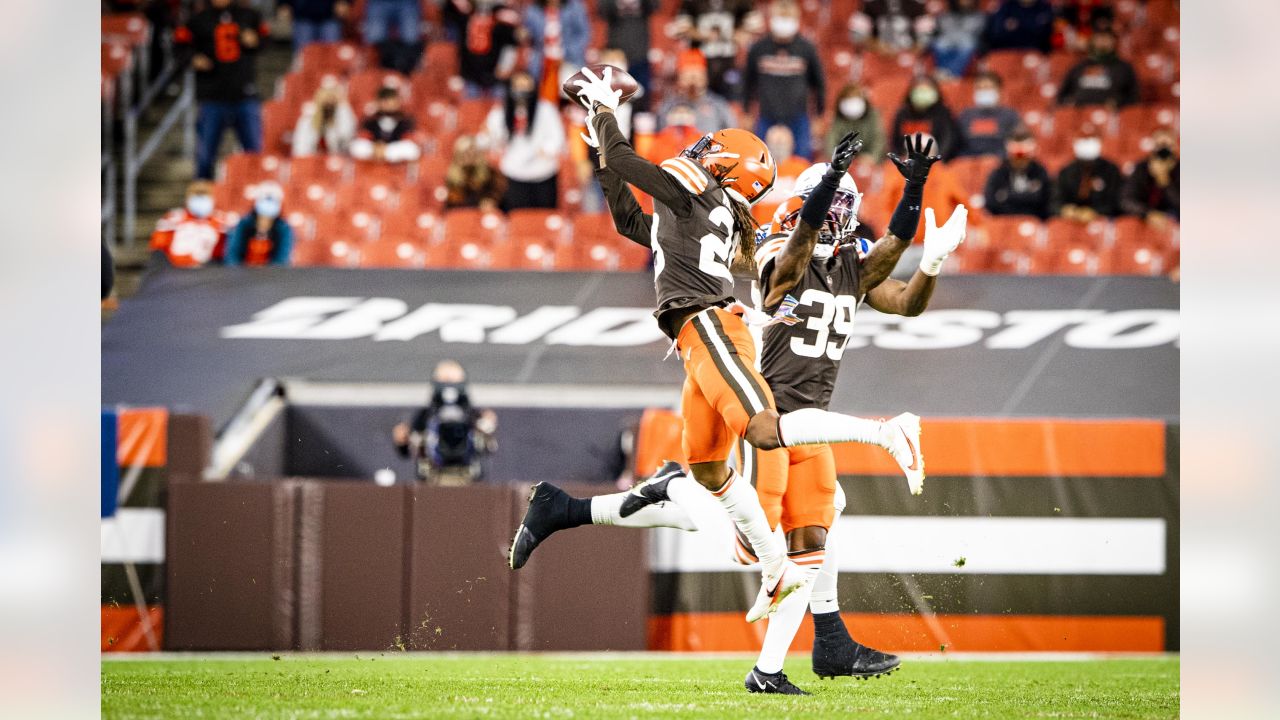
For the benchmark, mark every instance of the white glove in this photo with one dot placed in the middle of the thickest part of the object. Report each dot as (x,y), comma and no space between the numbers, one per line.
(940,242)
(589,137)
(599,89)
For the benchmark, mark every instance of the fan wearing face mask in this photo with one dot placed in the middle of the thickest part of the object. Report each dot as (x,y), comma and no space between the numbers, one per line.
(1089,186)
(985,126)
(388,134)
(924,111)
(1020,185)
(1153,190)
(191,236)
(1102,78)
(855,114)
(262,237)
(782,71)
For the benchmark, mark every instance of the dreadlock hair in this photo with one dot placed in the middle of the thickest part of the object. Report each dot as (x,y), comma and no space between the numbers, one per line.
(744,226)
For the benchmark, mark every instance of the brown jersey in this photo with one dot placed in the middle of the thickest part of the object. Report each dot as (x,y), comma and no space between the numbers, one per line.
(800,361)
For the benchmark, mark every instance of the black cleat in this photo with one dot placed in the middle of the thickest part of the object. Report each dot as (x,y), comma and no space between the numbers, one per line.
(651,491)
(775,684)
(548,512)
(835,654)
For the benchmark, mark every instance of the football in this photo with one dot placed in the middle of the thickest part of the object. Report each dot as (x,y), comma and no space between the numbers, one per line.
(620,80)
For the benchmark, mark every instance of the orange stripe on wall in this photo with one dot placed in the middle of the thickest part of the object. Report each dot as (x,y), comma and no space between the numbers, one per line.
(1035,447)
(143,437)
(123,631)
(728,632)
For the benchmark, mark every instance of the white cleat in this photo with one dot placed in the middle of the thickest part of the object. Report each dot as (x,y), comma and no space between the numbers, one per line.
(903,438)
(775,586)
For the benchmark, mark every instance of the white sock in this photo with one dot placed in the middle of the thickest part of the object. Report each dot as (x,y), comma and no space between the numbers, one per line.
(606,510)
(811,426)
(782,629)
(823,598)
(739,499)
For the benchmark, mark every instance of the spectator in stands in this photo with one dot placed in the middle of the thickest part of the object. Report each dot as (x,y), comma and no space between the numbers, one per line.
(1079,19)
(943,193)
(958,37)
(223,40)
(1102,78)
(191,236)
(781,145)
(399,50)
(262,237)
(923,111)
(782,71)
(985,126)
(487,52)
(559,28)
(711,112)
(1152,190)
(1021,25)
(527,132)
(718,28)
(1089,186)
(470,180)
(387,134)
(1020,185)
(892,26)
(854,113)
(313,20)
(327,124)
(628,22)
(679,131)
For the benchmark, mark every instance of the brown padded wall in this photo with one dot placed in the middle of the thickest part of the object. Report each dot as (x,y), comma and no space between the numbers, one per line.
(585,589)
(190,445)
(460,586)
(361,584)
(229,566)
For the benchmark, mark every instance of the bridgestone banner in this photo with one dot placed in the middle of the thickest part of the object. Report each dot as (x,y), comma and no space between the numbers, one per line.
(988,345)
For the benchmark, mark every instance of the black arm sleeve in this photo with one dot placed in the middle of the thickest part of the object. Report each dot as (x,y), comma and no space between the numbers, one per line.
(622,159)
(628,217)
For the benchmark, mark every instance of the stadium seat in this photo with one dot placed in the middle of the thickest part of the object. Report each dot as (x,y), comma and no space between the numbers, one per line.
(326,253)
(470,253)
(1060,233)
(352,225)
(1011,65)
(470,224)
(1073,258)
(369,172)
(393,252)
(330,169)
(598,246)
(535,225)
(968,259)
(412,222)
(311,195)
(363,88)
(370,194)
(440,57)
(535,254)
(130,29)
(303,224)
(1014,232)
(1140,258)
(472,113)
(278,120)
(341,58)
(253,168)
(957,93)
(972,173)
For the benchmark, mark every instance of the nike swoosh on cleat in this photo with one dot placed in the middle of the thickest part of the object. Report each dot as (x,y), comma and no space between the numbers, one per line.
(915,461)
(774,591)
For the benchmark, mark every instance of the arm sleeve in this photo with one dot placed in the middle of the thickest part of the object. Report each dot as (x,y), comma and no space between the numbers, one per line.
(235,243)
(284,244)
(628,217)
(622,159)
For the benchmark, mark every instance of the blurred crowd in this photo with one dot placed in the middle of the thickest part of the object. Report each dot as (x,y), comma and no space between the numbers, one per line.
(885,68)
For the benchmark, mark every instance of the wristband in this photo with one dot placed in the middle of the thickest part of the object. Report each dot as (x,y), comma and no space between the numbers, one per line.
(814,211)
(906,217)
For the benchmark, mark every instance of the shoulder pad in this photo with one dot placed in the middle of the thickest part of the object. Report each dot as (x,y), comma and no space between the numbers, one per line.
(769,250)
(690,175)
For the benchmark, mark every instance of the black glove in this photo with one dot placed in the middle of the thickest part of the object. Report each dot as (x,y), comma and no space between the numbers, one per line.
(849,146)
(916,167)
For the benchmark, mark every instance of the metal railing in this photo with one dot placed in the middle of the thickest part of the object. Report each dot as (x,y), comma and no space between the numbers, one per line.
(138,151)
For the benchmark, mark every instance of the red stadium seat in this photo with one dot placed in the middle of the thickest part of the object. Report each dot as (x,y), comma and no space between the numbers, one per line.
(440,57)
(303,224)
(968,259)
(372,195)
(329,253)
(314,196)
(368,172)
(130,29)
(471,224)
(533,225)
(472,113)
(1014,232)
(1141,258)
(341,58)
(278,120)
(416,223)
(353,225)
(1060,233)
(331,169)
(116,59)
(253,168)
(1013,65)
(363,88)
(1074,258)
(972,173)
(393,252)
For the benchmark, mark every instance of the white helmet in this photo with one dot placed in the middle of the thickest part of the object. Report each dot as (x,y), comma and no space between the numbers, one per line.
(842,217)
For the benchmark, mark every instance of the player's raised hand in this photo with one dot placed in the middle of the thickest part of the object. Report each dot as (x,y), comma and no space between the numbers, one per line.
(915,168)
(842,157)
(598,90)
(940,242)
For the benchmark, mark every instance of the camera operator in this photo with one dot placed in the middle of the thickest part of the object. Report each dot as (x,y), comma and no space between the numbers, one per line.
(448,437)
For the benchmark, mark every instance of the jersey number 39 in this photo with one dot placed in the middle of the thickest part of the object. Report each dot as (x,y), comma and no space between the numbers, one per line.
(836,317)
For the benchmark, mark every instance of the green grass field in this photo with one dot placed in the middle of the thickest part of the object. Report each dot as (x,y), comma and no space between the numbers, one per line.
(628,686)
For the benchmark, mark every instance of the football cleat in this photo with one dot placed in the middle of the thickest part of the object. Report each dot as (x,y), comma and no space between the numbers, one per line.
(548,512)
(652,491)
(835,654)
(774,684)
(775,586)
(902,435)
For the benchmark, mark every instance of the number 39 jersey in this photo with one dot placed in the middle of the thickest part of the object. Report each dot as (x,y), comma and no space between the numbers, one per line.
(800,361)
(692,253)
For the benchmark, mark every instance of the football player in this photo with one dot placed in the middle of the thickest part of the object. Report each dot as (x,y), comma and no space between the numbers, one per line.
(701,220)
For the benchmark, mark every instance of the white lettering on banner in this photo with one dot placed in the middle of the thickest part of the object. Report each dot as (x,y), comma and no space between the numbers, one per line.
(289,318)
(939,329)
(610,327)
(1127,329)
(382,319)
(456,323)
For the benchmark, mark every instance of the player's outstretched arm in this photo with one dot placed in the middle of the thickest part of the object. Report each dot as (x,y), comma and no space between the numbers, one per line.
(795,256)
(912,297)
(629,218)
(880,262)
